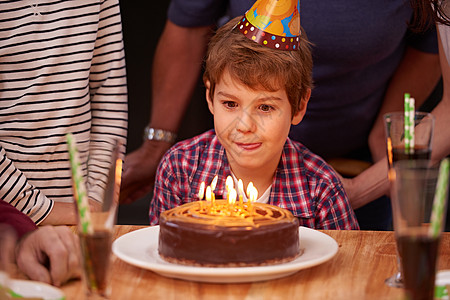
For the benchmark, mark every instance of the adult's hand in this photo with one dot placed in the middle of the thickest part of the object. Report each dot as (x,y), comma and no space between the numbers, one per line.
(50,254)
(139,170)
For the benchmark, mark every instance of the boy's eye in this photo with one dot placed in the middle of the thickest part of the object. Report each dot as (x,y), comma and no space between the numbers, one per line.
(230,104)
(266,107)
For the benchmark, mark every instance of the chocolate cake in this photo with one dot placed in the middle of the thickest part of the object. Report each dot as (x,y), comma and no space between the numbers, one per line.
(202,234)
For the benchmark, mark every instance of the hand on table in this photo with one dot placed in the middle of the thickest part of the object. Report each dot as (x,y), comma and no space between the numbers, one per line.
(139,170)
(50,254)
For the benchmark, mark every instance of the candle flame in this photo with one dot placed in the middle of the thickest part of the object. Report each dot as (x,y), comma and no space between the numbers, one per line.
(232,196)
(208,193)
(249,188)
(214,183)
(252,192)
(241,187)
(229,183)
(201,191)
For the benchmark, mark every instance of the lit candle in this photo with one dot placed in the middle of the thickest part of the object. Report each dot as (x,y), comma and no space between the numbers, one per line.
(241,192)
(213,187)
(228,186)
(208,194)
(214,183)
(249,189)
(252,194)
(231,200)
(233,196)
(201,194)
(201,191)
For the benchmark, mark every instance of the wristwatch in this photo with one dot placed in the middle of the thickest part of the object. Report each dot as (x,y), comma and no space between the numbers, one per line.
(155,134)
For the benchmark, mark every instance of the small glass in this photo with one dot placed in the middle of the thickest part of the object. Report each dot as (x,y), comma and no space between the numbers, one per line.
(395,136)
(96,244)
(413,187)
(394,125)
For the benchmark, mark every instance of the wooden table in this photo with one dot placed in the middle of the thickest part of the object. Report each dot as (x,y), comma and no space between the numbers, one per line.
(364,260)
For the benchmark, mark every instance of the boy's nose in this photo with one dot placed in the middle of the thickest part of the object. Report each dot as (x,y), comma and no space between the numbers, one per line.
(245,122)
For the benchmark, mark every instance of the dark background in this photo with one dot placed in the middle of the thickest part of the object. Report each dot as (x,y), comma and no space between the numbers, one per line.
(142,27)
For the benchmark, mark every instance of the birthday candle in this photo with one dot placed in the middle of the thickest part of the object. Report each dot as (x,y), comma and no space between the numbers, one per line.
(241,192)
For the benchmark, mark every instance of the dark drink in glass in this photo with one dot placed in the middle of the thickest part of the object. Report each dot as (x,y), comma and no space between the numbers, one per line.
(418,255)
(96,249)
(420,152)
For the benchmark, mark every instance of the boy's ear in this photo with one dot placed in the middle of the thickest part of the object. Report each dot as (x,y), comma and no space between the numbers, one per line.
(298,117)
(208,96)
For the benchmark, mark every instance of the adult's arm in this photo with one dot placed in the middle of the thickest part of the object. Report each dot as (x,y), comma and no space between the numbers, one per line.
(25,197)
(441,137)
(373,182)
(11,216)
(176,69)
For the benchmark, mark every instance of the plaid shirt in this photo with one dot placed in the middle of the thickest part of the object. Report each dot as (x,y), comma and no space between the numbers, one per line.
(303,184)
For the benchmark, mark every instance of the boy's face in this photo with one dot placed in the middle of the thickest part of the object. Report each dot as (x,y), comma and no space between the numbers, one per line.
(252,125)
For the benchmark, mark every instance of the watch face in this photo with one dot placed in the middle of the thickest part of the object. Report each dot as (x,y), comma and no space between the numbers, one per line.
(159,135)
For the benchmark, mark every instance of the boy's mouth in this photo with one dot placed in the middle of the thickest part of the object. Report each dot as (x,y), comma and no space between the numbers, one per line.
(249,146)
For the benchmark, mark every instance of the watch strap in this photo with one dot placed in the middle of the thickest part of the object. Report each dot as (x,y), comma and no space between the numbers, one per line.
(155,134)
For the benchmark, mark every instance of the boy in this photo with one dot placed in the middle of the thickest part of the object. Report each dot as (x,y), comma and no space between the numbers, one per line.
(255,93)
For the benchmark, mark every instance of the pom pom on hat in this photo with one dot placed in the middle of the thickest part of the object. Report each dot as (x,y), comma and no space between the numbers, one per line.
(273,23)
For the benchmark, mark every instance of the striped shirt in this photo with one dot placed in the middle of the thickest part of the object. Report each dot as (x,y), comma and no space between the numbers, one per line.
(303,183)
(62,69)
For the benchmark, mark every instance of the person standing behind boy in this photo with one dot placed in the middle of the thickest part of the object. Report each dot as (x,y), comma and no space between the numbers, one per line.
(255,92)
(62,69)
(373,182)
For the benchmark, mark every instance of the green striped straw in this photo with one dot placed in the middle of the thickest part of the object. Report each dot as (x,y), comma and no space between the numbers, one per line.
(409,123)
(79,187)
(412,109)
(440,198)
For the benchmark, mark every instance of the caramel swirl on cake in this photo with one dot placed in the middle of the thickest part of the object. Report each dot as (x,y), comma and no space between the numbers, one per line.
(224,214)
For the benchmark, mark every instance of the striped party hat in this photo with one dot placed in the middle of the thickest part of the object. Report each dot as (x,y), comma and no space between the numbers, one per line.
(273,23)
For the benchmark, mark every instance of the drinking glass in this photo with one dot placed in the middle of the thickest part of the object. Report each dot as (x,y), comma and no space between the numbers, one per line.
(102,187)
(394,124)
(413,187)
(395,136)
(7,245)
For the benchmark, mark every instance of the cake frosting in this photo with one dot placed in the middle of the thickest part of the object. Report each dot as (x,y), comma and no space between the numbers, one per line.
(203,234)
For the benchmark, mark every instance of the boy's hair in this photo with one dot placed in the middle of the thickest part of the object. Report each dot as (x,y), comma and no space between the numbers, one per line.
(258,66)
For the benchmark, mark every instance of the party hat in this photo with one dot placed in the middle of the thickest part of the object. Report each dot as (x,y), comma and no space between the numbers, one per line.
(273,23)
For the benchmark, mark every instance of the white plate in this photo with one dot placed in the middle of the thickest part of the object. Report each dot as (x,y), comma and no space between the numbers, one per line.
(28,288)
(442,281)
(140,248)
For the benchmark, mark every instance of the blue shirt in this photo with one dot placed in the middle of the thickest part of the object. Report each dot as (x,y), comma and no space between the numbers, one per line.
(357,46)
